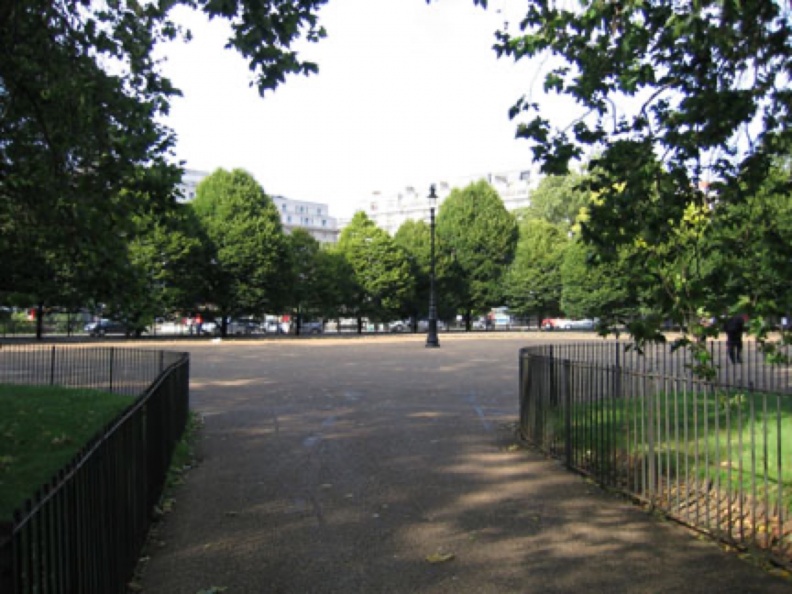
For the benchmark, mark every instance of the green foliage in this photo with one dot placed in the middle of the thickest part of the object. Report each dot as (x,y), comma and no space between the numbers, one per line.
(337,287)
(316,278)
(687,108)
(700,74)
(698,438)
(166,262)
(613,290)
(381,269)
(414,237)
(41,430)
(264,32)
(250,252)
(558,199)
(73,137)
(476,239)
(82,151)
(533,282)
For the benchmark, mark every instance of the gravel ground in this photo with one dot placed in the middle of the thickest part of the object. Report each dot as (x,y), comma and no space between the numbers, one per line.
(376,465)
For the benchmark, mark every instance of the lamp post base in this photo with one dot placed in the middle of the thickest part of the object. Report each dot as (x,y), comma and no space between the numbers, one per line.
(431,336)
(432,343)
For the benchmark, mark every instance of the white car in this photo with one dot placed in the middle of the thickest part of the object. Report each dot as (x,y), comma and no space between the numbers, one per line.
(577,324)
(400,326)
(423,325)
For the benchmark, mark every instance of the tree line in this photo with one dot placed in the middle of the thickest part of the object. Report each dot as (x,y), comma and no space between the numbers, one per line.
(683,124)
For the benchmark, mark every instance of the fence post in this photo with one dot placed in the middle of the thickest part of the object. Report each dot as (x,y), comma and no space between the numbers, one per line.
(651,462)
(6,560)
(112,357)
(568,412)
(52,366)
(548,406)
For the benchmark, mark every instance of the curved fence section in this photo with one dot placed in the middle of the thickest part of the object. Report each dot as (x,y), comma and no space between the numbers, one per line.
(714,455)
(83,531)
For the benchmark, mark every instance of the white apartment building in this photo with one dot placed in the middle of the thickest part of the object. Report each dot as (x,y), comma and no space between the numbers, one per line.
(390,210)
(314,217)
(189,183)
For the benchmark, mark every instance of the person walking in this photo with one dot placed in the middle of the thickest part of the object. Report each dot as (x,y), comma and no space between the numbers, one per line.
(734,327)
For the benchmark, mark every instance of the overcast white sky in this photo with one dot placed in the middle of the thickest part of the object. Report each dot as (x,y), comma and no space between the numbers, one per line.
(407,94)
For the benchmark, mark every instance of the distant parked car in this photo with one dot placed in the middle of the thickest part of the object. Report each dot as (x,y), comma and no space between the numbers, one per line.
(566,324)
(105,326)
(501,320)
(272,327)
(243,326)
(314,327)
(423,325)
(399,326)
(579,325)
(552,323)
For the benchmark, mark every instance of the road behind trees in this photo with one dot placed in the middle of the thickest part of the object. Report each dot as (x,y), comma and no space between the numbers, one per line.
(374,465)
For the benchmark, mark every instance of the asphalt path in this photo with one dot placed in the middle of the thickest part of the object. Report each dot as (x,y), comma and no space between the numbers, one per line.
(376,465)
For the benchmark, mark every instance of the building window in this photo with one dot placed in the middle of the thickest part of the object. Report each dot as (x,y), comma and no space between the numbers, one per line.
(324,223)
(288,219)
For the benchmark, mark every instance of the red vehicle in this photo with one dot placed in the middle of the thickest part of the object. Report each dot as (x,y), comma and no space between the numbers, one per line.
(565,324)
(551,323)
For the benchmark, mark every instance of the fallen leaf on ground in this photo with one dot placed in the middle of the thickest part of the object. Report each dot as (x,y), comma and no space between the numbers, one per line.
(435,558)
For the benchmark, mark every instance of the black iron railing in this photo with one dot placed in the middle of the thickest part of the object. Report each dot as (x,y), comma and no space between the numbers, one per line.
(716,455)
(82,532)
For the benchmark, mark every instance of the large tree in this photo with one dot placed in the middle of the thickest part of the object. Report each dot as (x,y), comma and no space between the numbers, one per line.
(381,270)
(533,283)
(610,291)
(687,107)
(476,238)
(558,199)
(80,103)
(336,287)
(307,277)
(251,257)
(415,239)
(169,257)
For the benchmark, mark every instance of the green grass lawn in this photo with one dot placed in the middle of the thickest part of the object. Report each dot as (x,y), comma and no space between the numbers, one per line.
(743,439)
(41,429)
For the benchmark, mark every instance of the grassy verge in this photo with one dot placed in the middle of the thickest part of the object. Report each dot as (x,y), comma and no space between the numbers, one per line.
(184,454)
(41,430)
(742,439)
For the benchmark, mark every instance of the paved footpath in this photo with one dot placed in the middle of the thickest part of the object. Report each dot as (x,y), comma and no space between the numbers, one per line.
(376,465)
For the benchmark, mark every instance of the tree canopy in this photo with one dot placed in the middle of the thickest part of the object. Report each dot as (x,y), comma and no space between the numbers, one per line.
(415,239)
(685,110)
(81,98)
(381,269)
(250,254)
(533,283)
(558,199)
(476,237)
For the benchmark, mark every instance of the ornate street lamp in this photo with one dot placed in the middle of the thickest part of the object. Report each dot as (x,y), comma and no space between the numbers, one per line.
(431,334)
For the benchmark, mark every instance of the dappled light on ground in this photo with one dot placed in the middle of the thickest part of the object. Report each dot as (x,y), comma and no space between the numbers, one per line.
(381,468)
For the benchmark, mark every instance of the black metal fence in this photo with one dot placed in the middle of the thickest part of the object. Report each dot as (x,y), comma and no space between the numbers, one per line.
(82,532)
(715,455)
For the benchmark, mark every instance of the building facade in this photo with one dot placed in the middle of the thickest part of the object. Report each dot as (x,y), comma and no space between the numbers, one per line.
(189,183)
(390,210)
(314,217)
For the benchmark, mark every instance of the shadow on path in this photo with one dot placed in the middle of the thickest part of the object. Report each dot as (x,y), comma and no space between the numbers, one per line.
(341,466)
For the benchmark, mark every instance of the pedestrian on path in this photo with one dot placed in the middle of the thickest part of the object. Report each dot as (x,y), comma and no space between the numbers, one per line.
(734,327)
